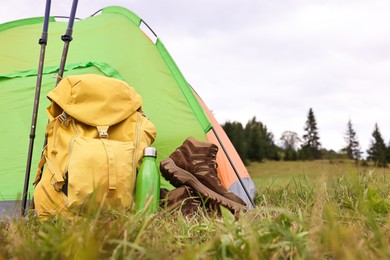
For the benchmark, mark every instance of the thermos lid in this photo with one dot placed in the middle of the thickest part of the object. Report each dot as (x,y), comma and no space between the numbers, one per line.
(150,151)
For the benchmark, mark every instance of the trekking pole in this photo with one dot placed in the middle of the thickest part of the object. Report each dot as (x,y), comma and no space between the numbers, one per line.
(67,38)
(42,42)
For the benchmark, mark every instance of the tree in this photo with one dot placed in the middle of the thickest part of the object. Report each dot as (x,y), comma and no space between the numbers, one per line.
(377,151)
(254,138)
(254,142)
(259,142)
(290,141)
(388,152)
(311,147)
(235,132)
(271,150)
(352,149)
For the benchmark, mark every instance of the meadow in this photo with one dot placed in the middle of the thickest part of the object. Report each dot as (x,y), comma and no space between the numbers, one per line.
(304,210)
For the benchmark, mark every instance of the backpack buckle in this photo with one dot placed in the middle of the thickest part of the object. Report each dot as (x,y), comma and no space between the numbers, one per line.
(103,134)
(64,118)
(103,131)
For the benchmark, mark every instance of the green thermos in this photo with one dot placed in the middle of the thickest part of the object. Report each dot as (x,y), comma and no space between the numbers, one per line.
(147,193)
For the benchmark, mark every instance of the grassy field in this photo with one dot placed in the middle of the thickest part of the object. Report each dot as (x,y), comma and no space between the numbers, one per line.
(304,210)
(282,172)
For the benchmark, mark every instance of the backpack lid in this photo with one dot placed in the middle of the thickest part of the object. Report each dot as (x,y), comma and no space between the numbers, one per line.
(96,100)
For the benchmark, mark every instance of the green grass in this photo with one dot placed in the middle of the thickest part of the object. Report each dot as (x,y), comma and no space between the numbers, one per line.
(283,172)
(305,210)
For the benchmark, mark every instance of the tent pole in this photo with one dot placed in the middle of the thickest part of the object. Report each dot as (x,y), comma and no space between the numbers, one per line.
(43,43)
(234,167)
(67,38)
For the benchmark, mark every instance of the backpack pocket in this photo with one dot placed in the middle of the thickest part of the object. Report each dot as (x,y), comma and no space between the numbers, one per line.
(100,173)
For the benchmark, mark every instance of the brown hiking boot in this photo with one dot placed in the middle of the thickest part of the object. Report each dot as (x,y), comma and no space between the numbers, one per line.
(179,177)
(182,198)
(198,158)
(188,201)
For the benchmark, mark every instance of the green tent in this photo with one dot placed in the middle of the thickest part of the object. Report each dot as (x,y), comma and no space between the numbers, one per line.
(111,43)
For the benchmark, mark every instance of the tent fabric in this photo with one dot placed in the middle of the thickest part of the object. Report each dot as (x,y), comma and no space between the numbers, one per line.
(231,170)
(110,43)
(16,101)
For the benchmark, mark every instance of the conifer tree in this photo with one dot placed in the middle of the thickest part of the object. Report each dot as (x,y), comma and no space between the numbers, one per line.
(259,142)
(235,132)
(311,147)
(388,152)
(377,151)
(352,149)
(254,137)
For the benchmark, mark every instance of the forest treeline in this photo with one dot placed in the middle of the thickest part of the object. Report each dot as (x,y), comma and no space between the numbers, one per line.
(254,142)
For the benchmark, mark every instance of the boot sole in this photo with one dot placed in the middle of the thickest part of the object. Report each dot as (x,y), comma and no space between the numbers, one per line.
(177,177)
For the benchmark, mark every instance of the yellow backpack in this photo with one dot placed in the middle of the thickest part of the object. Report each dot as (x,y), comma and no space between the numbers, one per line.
(95,140)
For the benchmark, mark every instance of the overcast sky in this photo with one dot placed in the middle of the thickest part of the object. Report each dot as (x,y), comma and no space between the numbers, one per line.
(271,59)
